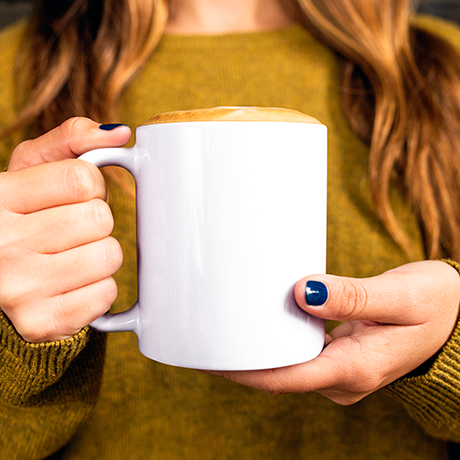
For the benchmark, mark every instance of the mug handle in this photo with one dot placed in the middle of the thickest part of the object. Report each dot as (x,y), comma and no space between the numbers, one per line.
(127,158)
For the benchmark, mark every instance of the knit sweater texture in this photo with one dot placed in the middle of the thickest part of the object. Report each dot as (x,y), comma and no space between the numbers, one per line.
(96,397)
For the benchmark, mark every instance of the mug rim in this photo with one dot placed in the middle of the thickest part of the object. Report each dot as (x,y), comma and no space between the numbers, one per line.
(233,113)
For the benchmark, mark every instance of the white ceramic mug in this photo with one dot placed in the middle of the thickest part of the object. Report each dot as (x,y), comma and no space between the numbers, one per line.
(231,212)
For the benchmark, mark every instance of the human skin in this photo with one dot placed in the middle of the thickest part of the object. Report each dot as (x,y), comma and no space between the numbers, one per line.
(58,260)
(222,16)
(393,323)
(57,256)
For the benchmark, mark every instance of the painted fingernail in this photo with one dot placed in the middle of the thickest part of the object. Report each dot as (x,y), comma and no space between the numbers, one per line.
(110,126)
(316,293)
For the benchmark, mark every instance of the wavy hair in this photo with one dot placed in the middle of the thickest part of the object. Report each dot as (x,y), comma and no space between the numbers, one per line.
(400,89)
(81,54)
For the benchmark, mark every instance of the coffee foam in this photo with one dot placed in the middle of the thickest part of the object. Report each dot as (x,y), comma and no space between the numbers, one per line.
(233,114)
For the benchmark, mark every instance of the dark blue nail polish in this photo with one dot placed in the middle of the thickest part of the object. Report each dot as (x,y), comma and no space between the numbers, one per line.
(316,293)
(110,126)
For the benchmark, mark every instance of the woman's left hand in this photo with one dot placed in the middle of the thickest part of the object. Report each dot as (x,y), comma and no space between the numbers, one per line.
(393,323)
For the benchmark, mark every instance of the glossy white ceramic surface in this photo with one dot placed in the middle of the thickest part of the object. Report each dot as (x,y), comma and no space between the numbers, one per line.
(230,216)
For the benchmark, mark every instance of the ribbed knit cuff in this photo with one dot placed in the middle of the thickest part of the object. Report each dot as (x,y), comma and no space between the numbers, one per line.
(29,368)
(433,399)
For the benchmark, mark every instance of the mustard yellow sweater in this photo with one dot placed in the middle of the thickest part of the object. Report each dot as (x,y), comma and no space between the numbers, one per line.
(97,397)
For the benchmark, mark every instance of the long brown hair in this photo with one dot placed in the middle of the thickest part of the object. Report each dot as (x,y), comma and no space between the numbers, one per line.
(400,89)
(80,55)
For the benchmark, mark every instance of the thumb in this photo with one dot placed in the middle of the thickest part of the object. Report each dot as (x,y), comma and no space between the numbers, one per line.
(69,140)
(406,295)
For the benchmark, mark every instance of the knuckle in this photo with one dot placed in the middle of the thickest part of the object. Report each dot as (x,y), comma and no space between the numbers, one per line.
(98,214)
(353,299)
(22,148)
(27,332)
(82,180)
(71,127)
(35,334)
(64,321)
(112,254)
(68,317)
(32,329)
(108,292)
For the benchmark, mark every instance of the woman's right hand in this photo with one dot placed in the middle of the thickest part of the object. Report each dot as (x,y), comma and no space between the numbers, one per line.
(56,254)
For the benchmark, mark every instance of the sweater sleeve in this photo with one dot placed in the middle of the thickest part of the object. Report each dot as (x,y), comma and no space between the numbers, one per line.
(433,399)
(46,390)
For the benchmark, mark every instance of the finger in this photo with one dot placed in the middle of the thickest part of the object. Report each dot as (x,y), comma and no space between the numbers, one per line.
(81,266)
(78,308)
(408,295)
(52,184)
(314,375)
(40,276)
(65,315)
(347,370)
(61,228)
(69,140)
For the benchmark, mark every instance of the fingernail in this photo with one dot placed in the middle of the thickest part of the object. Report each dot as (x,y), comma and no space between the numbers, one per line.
(110,126)
(316,293)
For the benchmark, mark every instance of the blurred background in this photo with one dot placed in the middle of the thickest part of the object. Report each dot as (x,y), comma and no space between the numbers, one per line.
(12,10)
(448,9)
